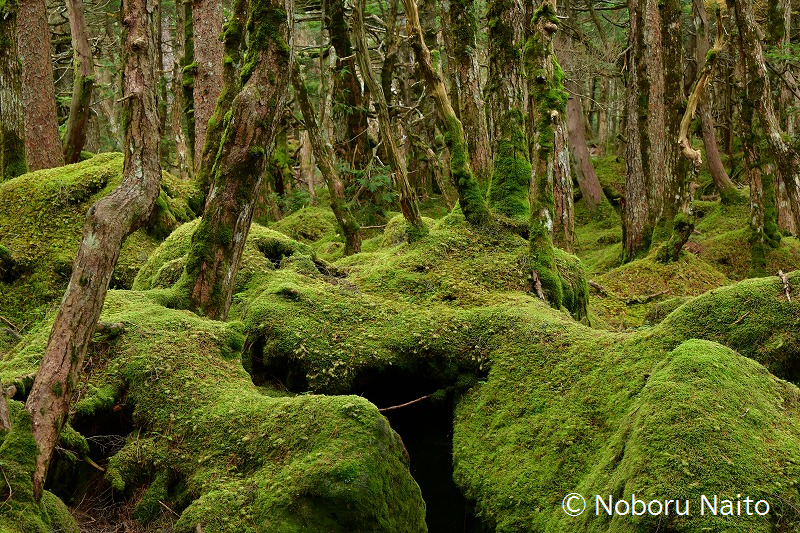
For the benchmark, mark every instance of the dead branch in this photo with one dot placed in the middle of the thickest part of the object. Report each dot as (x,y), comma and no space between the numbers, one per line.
(739,320)
(599,288)
(786,288)
(392,408)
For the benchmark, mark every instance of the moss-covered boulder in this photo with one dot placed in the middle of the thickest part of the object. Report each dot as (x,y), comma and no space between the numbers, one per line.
(224,454)
(41,221)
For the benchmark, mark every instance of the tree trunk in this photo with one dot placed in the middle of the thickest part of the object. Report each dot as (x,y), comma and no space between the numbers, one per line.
(470,195)
(42,143)
(349,105)
(82,84)
(325,157)
(208,52)
(188,74)
(182,166)
(787,159)
(12,121)
(467,80)
(725,186)
(506,93)
(108,222)
(247,142)
(408,203)
(591,190)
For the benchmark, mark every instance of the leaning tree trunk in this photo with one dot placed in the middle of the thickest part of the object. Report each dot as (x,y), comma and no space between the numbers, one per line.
(82,84)
(787,159)
(249,133)
(470,195)
(108,222)
(591,190)
(12,121)
(42,143)
(408,203)
(323,152)
(208,53)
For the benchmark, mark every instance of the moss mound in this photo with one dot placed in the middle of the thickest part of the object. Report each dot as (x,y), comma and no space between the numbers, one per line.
(224,454)
(41,220)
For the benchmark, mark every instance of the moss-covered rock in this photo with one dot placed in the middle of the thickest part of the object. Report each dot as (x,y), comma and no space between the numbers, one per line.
(41,220)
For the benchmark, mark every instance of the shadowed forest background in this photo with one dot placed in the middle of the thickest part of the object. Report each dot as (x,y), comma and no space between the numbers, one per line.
(397,266)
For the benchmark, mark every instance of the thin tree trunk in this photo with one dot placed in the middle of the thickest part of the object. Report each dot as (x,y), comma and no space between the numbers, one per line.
(42,143)
(246,146)
(591,190)
(108,222)
(12,121)
(82,84)
(325,161)
(182,165)
(208,52)
(787,159)
(470,195)
(408,204)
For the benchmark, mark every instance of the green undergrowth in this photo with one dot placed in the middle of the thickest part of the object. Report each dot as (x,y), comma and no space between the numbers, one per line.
(227,457)
(656,413)
(41,220)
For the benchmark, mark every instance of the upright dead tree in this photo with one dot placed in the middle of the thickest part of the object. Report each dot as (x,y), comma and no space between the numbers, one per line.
(325,157)
(235,180)
(12,125)
(42,143)
(82,84)
(108,222)
(408,203)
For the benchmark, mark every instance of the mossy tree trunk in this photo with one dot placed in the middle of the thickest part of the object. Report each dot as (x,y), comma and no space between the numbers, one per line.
(207,21)
(408,203)
(506,92)
(654,103)
(188,72)
(182,162)
(551,215)
(12,121)
(349,103)
(325,157)
(109,221)
(42,142)
(233,42)
(249,133)
(786,156)
(467,85)
(82,83)
(470,195)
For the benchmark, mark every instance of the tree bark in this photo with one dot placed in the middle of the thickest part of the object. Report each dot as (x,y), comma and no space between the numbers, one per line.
(42,143)
(591,190)
(246,145)
(470,195)
(325,157)
(208,53)
(12,122)
(82,84)
(108,222)
(787,159)
(466,78)
(182,164)
(408,203)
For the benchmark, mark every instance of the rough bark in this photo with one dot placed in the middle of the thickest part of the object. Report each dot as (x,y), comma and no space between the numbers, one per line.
(207,21)
(466,81)
(12,122)
(591,190)
(506,93)
(42,143)
(787,159)
(470,195)
(82,84)
(408,204)
(182,163)
(108,222)
(246,145)
(325,157)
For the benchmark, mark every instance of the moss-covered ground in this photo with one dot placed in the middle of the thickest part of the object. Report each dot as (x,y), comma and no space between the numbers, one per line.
(251,425)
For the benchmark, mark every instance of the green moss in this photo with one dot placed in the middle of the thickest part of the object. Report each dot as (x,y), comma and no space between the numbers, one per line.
(41,222)
(511,170)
